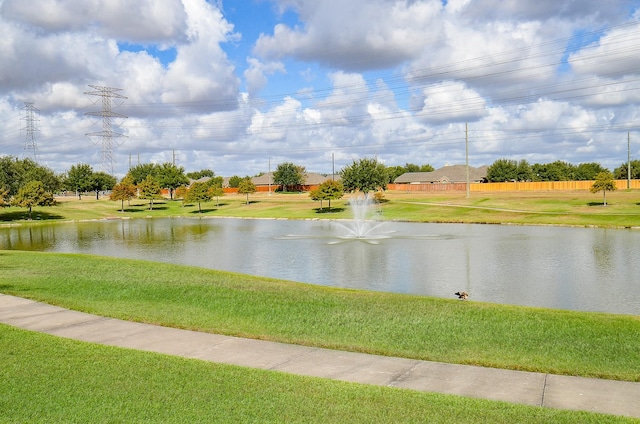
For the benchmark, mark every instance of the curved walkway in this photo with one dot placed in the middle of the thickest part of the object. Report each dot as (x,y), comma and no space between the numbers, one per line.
(553,391)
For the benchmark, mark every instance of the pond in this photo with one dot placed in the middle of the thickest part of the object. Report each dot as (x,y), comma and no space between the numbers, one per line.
(583,269)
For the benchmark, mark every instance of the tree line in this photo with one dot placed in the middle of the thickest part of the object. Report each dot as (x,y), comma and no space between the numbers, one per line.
(505,170)
(25,183)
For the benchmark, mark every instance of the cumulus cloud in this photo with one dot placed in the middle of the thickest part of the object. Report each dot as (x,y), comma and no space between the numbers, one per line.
(354,35)
(139,21)
(615,54)
(450,102)
(396,79)
(256,75)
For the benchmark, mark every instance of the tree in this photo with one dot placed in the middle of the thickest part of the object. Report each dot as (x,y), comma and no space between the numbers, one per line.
(289,175)
(149,190)
(504,170)
(79,179)
(234,182)
(621,173)
(4,197)
(181,192)
(196,175)
(247,187)
(604,182)
(123,191)
(140,172)
(170,176)
(101,181)
(15,173)
(198,193)
(328,190)
(365,175)
(587,171)
(33,194)
(216,191)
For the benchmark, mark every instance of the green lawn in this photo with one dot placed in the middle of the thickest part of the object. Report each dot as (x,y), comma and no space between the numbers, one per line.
(446,330)
(548,208)
(46,379)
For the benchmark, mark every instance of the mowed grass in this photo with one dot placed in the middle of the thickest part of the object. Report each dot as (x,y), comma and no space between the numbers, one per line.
(532,339)
(577,207)
(47,379)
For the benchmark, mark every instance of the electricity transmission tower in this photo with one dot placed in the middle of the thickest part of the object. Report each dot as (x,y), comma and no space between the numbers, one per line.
(107,115)
(30,146)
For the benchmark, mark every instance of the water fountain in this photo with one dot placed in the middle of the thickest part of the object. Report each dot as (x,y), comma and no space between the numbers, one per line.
(364,226)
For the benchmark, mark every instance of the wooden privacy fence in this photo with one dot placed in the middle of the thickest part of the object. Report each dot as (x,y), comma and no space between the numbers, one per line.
(477,187)
(547,185)
(511,186)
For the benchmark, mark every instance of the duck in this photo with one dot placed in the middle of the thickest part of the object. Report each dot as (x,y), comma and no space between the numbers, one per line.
(462,295)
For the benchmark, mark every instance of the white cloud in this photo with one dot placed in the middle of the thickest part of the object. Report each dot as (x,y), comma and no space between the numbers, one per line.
(355,34)
(139,21)
(257,72)
(616,54)
(450,102)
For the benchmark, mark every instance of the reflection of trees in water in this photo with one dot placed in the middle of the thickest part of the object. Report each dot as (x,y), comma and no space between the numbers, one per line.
(37,237)
(148,232)
(603,252)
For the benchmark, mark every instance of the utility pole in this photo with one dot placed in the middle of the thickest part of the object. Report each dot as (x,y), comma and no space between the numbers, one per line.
(333,167)
(628,159)
(466,139)
(30,146)
(269,174)
(107,114)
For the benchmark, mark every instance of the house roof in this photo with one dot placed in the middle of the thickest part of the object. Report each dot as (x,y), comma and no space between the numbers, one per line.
(446,174)
(312,178)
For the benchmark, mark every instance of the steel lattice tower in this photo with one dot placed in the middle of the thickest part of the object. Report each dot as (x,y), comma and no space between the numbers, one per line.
(107,115)
(30,146)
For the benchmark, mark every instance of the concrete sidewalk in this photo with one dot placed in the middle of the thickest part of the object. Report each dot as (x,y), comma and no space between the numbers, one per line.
(553,391)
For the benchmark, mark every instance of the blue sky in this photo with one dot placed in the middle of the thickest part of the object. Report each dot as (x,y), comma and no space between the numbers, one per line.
(229,84)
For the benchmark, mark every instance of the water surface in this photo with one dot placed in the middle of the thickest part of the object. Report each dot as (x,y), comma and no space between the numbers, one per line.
(565,268)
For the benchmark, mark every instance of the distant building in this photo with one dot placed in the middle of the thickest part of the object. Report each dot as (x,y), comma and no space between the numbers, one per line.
(444,175)
(311,179)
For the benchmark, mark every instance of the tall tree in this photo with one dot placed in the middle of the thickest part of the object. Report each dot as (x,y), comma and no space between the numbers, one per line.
(588,171)
(621,173)
(364,175)
(196,175)
(101,181)
(170,176)
(33,194)
(234,182)
(149,190)
(247,187)
(289,175)
(140,172)
(79,179)
(604,182)
(15,173)
(504,170)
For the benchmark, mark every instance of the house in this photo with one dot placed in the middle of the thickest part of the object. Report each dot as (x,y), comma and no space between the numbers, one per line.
(311,179)
(444,175)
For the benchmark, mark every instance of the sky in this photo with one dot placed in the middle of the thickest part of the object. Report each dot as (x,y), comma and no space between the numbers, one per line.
(241,86)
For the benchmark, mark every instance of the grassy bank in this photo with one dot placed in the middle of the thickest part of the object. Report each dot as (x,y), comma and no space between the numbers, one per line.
(48,379)
(560,342)
(548,208)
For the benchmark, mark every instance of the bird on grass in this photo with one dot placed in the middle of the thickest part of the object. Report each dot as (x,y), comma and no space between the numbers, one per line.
(462,295)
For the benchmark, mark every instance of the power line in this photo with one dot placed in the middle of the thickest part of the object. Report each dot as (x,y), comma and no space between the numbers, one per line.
(30,146)
(107,114)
